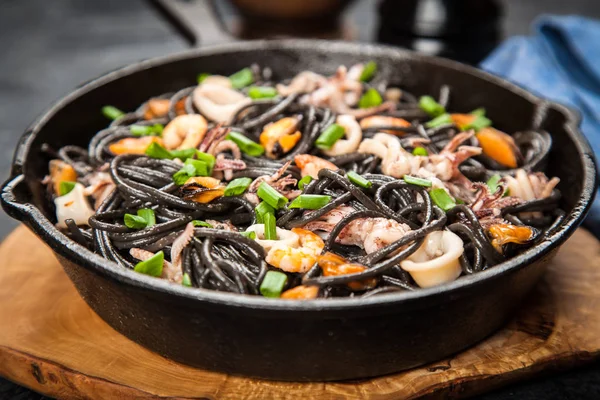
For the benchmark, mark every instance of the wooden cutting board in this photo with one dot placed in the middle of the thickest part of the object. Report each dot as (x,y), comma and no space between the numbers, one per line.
(52,342)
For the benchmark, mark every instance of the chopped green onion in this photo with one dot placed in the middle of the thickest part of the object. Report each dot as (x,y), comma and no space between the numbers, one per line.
(478,123)
(273,284)
(431,107)
(439,121)
(459,201)
(310,201)
(237,186)
(65,187)
(507,193)
(413,180)
(186,172)
(152,266)
(358,180)
(249,234)
(201,224)
(261,209)
(148,215)
(262,92)
(369,71)
(242,78)
(246,145)
(186,280)
(201,77)
(112,112)
(420,151)
(141,130)
(371,98)
(329,136)
(146,130)
(442,199)
(200,167)
(304,181)
(158,129)
(155,150)
(270,226)
(479,112)
(183,154)
(134,221)
(208,159)
(492,183)
(271,196)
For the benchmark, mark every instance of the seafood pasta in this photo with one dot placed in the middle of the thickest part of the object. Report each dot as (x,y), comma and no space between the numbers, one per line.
(308,187)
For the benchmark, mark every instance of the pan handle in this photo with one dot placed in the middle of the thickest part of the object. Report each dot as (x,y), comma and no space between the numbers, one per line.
(14,201)
(195,20)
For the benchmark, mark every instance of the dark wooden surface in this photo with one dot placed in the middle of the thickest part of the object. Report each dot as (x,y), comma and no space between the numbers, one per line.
(48,48)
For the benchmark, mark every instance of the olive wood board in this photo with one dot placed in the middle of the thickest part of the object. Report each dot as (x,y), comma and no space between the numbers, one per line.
(53,343)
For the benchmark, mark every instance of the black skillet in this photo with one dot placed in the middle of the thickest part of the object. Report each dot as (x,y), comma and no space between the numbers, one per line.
(313,340)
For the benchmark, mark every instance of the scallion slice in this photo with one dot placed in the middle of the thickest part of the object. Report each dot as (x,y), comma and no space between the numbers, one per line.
(430,106)
(183,154)
(478,123)
(371,98)
(237,187)
(262,92)
(155,150)
(261,209)
(329,136)
(443,119)
(246,145)
(200,167)
(310,201)
(152,266)
(148,215)
(420,151)
(273,284)
(442,199)
(492,183)
(201,224)
(271,196)
(249,234)
(201,77)
(65,187)
(141,130)
(112,112)
(134,221)
(269,222)
(359,180)
(369,71)
(479,112)
(242,78)
(413,180)
(186,280)
(304,181)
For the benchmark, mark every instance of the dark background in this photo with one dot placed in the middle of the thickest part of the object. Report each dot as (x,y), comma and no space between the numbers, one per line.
(51,46)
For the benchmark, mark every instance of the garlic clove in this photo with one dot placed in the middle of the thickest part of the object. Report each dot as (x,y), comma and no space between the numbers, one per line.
(73,205)
(437,260)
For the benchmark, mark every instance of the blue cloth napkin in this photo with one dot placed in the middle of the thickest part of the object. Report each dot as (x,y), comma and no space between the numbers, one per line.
(560,61)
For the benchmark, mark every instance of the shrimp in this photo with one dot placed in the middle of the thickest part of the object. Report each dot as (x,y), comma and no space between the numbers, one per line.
(397,162)
(311,165)
(383,121)
(100,186)
(133,145)
(281,136)
(185,132)
(352,140)
(298,258)
(218,103)
(334,265)
(156,108)
(371,234)
(300,292)
(175,274)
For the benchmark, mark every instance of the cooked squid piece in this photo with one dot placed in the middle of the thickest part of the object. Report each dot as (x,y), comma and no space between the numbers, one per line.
(73,205)
(184,132)
(437,260)
(218,103)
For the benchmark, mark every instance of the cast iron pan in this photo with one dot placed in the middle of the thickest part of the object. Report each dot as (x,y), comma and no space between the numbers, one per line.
(314,340)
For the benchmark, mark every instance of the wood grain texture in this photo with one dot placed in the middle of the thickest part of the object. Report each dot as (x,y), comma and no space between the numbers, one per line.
(52,342)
